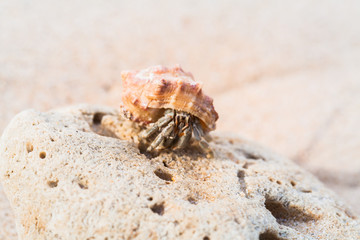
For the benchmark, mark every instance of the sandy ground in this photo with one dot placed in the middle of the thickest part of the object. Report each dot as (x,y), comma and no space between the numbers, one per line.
(285,74)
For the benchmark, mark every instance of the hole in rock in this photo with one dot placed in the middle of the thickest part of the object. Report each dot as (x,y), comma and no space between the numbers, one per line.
(81,181)
(241,177)
(253,156)
(101,129)
(241,174)
(42,155)
(269,235)
(150,199)
(249,155)
(29,147)
(83,185)
(247,164)
(206,238)
(293,183)
(306,190)
(163,174)
(350,214)
(278,182)
(148,155)
(52,184)
(288,215)
(158,208)
(98,117)
(165,164)
(192,200)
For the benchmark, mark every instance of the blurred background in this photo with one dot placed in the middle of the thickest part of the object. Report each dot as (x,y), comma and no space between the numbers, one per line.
(283,73)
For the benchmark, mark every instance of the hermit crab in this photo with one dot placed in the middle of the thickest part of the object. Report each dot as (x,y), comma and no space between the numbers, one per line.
(171,105)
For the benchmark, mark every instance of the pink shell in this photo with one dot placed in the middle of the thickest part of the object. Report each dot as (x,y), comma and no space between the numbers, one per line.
(148,92)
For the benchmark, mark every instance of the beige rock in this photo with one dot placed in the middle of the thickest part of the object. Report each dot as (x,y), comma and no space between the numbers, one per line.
(7,229)
(75,173)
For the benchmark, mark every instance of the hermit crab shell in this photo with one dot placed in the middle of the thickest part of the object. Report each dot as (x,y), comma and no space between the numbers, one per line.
(147,93)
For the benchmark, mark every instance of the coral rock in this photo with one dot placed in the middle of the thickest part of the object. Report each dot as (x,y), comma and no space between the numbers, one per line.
(75,173)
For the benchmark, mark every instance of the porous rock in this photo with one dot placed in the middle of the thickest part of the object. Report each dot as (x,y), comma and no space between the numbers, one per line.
(76,173)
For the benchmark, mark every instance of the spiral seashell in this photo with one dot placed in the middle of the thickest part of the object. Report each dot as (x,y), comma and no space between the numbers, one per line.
(147,93)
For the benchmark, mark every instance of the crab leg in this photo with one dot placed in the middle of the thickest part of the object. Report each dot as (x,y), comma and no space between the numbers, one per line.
(165,132)
(204,145)
(196,132)
(184,138)
(168,142)
(157,125)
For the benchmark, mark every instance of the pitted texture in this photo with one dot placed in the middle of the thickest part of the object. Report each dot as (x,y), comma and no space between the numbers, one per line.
(74,173)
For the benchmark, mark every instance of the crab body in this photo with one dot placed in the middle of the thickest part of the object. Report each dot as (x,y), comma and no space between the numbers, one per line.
(171,104)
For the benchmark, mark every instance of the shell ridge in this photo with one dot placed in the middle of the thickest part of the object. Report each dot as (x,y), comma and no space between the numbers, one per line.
(148,92)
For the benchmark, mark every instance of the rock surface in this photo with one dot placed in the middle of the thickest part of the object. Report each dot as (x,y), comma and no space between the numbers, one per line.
(75,173)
